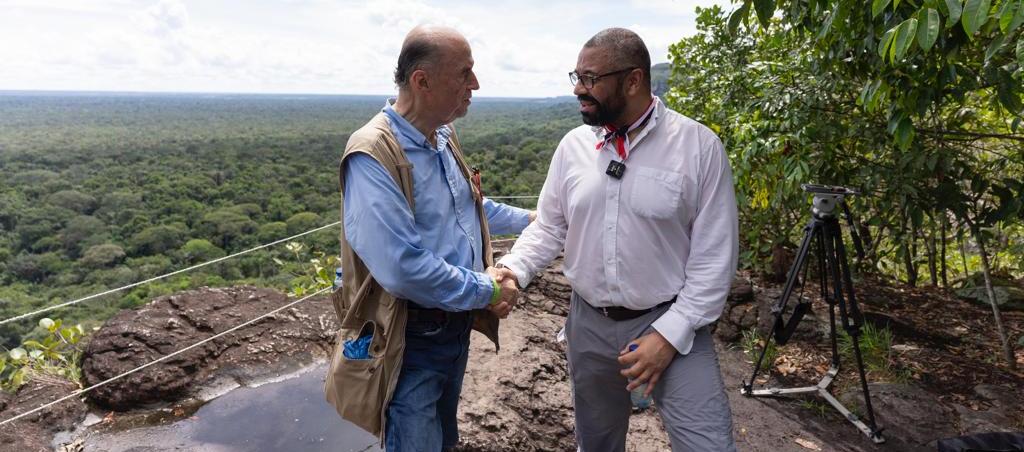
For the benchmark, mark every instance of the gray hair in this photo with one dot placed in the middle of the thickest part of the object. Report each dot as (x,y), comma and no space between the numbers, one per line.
(624,46)
(416,53)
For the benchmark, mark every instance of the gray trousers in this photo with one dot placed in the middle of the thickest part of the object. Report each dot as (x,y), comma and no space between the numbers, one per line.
(690,395)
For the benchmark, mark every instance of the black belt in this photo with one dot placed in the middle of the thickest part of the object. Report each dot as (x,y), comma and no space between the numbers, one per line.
(418,313)
(619,313)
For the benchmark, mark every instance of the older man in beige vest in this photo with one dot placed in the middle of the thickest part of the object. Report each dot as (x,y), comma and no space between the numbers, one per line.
(416,254)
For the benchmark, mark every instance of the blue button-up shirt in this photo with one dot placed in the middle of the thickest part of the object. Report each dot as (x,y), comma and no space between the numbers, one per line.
(433,256)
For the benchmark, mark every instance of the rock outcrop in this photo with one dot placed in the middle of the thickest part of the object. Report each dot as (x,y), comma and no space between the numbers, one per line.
(264,349)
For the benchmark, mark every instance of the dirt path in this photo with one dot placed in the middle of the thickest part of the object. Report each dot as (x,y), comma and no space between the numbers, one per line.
(519,399)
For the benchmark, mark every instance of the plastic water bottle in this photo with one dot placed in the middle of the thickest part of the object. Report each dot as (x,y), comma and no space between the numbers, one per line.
(337,280)
(637,394)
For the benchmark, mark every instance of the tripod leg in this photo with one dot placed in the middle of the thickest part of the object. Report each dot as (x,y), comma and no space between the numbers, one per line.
(852,321)
(823,281)
(812,230)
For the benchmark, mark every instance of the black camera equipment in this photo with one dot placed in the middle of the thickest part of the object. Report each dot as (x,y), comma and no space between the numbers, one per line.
(825,234)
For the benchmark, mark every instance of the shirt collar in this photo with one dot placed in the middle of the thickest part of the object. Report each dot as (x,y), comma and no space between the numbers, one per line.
(599,131)
(409,131)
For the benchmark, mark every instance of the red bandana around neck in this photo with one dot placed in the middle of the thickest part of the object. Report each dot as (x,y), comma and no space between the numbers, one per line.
(619,134)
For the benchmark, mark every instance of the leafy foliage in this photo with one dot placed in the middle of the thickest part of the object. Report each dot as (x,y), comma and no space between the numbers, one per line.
(913,103)
(56,354)
(317,274)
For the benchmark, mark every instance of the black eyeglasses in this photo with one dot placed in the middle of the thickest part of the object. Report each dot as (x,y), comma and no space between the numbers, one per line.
(589,80)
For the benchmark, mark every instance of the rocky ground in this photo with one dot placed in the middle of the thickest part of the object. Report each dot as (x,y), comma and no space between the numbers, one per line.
(518,399)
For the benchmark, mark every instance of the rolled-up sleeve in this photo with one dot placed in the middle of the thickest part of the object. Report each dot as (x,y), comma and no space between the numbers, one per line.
(380,227)
(713,254)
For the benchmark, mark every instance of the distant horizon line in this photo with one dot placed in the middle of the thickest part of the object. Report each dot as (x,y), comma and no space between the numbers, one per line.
(228,93)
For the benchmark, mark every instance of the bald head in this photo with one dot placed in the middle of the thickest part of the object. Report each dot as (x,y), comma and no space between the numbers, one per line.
(424,48)
(624,49)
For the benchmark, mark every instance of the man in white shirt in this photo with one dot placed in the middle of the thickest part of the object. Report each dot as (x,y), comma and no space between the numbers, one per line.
(641,199)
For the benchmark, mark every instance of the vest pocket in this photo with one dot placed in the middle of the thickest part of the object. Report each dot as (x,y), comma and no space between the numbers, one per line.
(356,386)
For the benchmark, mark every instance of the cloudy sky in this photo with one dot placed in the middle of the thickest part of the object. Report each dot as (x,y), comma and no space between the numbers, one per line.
(522,48)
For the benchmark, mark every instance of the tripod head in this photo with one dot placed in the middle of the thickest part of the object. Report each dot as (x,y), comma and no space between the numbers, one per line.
(827,198)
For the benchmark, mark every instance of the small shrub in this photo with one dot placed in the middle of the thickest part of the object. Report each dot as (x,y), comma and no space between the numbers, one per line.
(876,351)
(752,344)
(57,354)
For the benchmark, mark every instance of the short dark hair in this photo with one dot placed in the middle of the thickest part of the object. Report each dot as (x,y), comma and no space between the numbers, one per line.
(416,53)
(625,47)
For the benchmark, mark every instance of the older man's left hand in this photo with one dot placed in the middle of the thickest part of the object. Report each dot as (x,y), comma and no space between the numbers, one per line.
(652,356)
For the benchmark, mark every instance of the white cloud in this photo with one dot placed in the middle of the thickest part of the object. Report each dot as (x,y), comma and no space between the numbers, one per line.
(674,7)
(166,16)
(521,49)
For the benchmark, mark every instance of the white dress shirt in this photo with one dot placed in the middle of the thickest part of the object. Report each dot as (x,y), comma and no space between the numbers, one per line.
(667,229)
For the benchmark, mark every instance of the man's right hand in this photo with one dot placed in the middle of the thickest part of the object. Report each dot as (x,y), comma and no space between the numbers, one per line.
(509,291)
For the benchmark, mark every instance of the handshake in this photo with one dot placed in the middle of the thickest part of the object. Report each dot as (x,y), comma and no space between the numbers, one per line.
(509,291)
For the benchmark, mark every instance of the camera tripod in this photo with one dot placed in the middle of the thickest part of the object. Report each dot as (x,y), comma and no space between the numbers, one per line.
(825,234)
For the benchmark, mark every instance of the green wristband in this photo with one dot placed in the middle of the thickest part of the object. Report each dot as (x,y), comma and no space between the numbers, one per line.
(497,291)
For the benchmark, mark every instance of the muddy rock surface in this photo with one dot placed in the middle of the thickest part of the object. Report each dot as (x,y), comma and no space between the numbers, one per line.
(269,347)
(34,432)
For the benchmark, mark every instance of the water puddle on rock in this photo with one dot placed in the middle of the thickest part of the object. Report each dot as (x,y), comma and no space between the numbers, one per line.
(289,415)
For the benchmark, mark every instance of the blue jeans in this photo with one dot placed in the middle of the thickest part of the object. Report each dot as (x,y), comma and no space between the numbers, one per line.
(423,409)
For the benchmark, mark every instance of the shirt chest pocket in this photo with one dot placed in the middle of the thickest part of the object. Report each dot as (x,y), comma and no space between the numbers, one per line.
(655,194)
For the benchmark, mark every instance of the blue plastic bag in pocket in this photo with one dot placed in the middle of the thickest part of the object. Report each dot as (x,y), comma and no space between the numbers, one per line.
(358,348)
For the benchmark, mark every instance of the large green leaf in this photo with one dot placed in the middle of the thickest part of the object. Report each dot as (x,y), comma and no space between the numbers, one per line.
(975,15)
(1020,51)
(904,133)
(994,47)
(18,378)
(1008,95)
(883,44)
(738,17)
(827,25)
(765,9)
(954,10)
(1011,15)
(928,28)
(866,92)
(872,93)
(33,344)
(917,217)
(903,40)
(877,6)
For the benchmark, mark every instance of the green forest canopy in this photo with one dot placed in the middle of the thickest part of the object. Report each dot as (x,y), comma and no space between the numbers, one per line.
(99,191)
